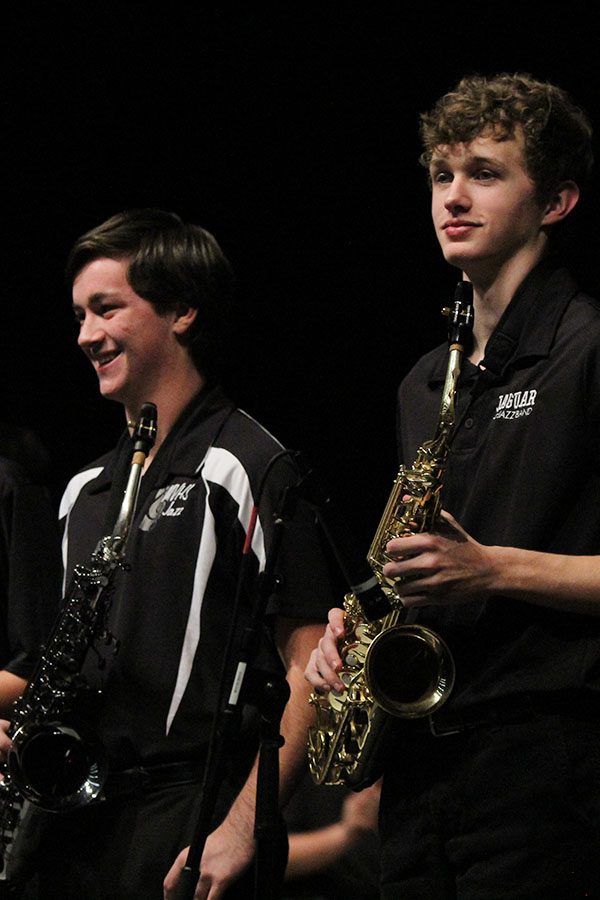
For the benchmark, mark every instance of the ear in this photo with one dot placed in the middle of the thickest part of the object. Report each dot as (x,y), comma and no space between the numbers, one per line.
(184,319)
(561,203)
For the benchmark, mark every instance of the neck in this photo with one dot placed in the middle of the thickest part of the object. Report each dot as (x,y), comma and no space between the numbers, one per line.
(171,397)
(492,292)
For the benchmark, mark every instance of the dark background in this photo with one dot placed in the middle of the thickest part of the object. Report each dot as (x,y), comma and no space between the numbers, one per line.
(290,131)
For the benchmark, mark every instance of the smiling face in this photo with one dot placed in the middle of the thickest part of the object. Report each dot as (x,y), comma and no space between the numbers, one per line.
(133,350)
(484,206)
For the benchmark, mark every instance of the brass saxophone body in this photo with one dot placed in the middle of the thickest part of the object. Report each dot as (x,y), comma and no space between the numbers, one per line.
(56,761)
(392,667)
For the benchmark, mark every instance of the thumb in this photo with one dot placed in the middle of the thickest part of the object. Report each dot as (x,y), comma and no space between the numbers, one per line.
(448,527)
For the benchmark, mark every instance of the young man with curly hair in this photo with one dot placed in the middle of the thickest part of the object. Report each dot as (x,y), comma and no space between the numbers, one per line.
(497,794)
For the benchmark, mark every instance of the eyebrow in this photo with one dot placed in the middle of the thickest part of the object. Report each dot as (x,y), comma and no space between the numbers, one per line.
(98,297)
(437,161)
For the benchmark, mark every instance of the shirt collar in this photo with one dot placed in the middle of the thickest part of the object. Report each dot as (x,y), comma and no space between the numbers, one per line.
(527,327)
(183,449)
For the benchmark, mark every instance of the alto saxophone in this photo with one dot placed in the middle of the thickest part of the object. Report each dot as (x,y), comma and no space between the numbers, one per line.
(390,666)
(56,762)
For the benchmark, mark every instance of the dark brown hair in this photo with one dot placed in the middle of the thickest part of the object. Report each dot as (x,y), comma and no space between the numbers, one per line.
(173,265)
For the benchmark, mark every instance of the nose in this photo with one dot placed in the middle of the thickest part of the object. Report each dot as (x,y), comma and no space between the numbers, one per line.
(91,332)
(457,198)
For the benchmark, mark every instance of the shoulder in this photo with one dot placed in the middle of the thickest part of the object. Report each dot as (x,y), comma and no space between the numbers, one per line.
(81,479)
(582,311)
(576,344)
(558,308)
(247,460)
(247,443)
(427,369)
(243,430)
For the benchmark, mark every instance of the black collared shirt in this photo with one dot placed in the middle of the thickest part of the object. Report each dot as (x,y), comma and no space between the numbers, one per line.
(523,471)
(173,608)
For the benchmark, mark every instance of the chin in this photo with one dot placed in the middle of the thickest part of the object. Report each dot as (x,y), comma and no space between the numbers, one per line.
(111,393)
(458,261)
(458,256)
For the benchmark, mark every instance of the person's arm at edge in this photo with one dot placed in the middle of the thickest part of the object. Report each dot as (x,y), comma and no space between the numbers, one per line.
(11,688)
(315,850)
(230,848)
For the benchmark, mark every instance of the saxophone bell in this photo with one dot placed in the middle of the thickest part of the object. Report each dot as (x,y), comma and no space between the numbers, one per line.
(409,671)
(57,765)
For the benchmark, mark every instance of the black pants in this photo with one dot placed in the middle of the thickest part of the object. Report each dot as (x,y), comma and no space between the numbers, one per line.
(119,849)
(506,812)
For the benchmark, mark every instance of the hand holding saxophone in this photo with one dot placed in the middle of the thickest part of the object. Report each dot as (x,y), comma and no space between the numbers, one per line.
(436,569)
(441,568)
(325,661)
(5,740)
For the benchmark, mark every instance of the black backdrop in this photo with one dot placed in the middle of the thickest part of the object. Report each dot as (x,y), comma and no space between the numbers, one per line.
(288,130)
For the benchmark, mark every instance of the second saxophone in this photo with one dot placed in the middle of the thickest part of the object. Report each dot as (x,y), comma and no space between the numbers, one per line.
(56,761)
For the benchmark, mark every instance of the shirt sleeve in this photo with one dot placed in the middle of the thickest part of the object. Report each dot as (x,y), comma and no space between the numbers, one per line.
(305,567)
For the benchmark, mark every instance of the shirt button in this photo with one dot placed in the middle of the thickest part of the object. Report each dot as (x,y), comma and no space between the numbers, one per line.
(469,422)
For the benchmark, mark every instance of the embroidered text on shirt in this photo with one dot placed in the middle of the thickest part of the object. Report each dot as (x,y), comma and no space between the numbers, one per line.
(515,405)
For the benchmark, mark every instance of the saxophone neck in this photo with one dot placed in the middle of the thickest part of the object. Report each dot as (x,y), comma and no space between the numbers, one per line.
(143,439)
(448,402)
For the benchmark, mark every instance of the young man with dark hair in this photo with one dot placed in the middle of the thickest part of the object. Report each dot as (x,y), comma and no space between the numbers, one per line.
(497,794)
(173,265)
(151,295)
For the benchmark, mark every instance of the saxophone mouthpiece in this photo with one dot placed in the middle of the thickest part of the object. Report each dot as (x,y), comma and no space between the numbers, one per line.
(460,326)
(145,429)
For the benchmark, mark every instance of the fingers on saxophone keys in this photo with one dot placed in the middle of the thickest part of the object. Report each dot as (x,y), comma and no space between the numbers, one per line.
(321,674)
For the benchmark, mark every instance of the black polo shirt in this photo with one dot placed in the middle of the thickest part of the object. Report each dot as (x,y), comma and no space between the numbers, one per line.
(172,609)
(523,472)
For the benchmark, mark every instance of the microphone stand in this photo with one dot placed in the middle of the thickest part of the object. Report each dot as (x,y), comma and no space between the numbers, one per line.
(353,564)
(269,693)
